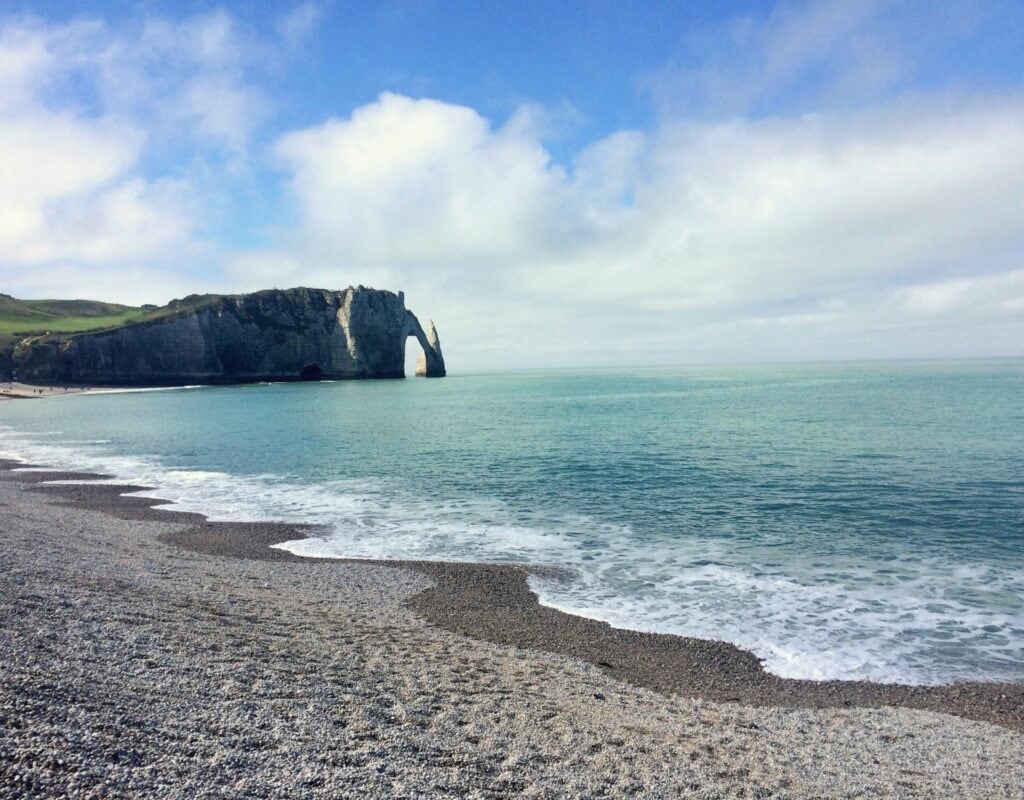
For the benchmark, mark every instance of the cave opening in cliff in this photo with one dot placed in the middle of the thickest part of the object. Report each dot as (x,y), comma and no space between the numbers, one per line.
(311,372)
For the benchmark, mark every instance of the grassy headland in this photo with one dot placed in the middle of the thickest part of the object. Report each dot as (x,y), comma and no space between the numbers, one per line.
(27,317)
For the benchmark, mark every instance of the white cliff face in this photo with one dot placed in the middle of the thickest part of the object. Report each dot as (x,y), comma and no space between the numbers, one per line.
(431,361)
(342,347)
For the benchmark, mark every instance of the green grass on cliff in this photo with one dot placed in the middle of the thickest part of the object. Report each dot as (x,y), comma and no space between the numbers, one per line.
(49,322)
(27,317)
(20,319)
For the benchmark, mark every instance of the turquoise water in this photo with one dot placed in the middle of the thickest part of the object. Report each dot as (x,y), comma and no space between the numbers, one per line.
(840,521)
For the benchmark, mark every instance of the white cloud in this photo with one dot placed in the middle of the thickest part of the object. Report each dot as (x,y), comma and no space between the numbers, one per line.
(49,157)
(298,24)
(406,180)
(193,77)
(984,296)
(23,56)
(134,220)
(692,223)
(792,57)
(759,211)
(223,110)
(936,298)
(69,186)
(93,116)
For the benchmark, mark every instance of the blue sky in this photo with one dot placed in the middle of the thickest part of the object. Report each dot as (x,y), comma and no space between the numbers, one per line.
(555,183)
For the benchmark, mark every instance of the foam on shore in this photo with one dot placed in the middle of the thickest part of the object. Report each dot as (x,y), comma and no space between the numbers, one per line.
(925,621)
(131,664)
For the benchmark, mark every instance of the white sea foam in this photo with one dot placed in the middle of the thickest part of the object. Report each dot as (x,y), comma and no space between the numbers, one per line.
(853,627)
(910,618)
(140,389)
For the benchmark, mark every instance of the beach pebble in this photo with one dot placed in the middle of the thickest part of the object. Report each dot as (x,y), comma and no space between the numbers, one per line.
(133,668)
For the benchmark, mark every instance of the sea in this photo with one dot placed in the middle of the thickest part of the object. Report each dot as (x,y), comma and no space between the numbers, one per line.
(855,521)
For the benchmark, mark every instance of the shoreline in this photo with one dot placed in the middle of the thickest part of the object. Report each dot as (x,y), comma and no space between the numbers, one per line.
(493,603)
(12,390)
(27,391)
(151,653)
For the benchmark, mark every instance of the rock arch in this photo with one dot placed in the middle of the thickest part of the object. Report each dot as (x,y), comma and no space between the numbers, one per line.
(431,360)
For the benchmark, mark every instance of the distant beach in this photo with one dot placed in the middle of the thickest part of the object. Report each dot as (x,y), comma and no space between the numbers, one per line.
(10,390)
(144,647)
(19,391)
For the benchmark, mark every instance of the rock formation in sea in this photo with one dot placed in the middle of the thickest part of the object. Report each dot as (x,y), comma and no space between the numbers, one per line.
(277,335)
(430,363)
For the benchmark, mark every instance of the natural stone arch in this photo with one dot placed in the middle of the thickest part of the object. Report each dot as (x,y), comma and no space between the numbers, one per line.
(431,360)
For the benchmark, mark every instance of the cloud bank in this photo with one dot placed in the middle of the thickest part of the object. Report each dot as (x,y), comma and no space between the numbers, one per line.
(835,224)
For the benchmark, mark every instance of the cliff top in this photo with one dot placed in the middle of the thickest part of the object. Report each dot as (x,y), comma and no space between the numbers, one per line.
(22,318)
(65,316)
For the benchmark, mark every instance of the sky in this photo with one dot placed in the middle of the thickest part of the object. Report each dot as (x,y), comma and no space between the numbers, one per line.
(555,183)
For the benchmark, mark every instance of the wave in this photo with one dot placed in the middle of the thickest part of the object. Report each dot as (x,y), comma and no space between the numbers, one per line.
(888,617)
(142,389)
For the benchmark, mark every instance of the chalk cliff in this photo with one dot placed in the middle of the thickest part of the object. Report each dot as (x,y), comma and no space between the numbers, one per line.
(295,334)
(430,363)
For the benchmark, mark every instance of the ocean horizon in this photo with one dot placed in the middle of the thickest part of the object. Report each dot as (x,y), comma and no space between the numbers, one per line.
(845,520)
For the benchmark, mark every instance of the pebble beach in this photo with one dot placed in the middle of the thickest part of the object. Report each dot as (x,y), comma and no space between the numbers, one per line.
(148,653)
